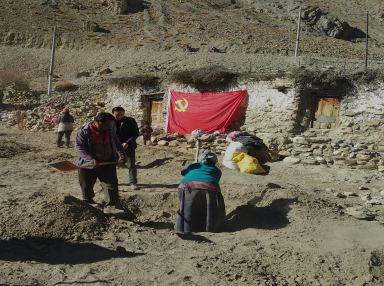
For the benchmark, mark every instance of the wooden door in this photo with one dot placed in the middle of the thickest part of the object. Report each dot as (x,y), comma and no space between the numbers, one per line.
(156,107)
(325,112)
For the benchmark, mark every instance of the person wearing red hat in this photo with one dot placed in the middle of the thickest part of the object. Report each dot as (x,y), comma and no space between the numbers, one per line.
(65,128)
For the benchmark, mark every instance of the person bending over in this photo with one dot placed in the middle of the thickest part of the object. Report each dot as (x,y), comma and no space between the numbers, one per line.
(202,205)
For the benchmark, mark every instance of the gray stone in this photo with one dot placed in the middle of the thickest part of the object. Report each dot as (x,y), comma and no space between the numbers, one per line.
(79,74)
(163,143)
(318,139)
(367,167)
(173,144)
(360,212)
(350,162)
(309,162)
(292,160)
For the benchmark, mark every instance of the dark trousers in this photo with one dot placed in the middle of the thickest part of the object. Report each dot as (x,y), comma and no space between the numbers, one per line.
(67,137)
(200,210)
(108,180)
(131,166)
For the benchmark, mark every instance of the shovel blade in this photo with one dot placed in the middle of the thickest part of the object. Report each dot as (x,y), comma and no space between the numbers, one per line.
(65,166)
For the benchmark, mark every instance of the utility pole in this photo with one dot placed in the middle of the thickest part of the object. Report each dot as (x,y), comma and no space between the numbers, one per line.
(52,58)
(298,34)
(366,44)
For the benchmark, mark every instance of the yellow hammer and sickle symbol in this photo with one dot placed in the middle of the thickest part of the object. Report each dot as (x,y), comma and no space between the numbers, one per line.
(182,108)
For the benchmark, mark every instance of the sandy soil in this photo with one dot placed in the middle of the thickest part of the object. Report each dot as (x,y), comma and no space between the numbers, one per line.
(284,228)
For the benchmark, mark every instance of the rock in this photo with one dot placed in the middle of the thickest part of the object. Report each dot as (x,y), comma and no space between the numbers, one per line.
(273,186)
(105,71)
(380,169)
(367,167)
(338,194)
(360,212)
(292,160)
(309,162)
(321,160)
(207,138)
(173,144)
(79,74)
(365,196)
(350,194)
(284,153)
(318,139)
(163,143)
(350,162)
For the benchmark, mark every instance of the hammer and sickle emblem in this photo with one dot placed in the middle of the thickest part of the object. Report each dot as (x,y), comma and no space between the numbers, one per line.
(182,108)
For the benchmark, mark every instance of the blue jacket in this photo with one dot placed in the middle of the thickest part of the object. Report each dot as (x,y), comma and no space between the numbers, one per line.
(202,173)
(83,146)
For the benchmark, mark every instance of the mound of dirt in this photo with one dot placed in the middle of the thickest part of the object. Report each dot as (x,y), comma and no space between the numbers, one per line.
(53,216)
(10,148)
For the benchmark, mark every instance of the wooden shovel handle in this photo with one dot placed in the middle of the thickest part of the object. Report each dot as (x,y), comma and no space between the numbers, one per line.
(100,164)
(197,151)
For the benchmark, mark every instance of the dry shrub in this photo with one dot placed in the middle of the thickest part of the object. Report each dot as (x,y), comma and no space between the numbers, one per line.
(203,43)
(204,12)
(236,22)
(156,18)
(44,29)
(135,34)
(133,82)
(203,76)
(129,39)
(91,35)
(66,17)
(182,32)
(168,34)
(181,13)
(66,86)
(149,29)
(137,44)
(37,12)
(196,19)
(8,76)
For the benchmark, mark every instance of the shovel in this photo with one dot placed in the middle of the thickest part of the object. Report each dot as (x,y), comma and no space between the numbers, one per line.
(68,166)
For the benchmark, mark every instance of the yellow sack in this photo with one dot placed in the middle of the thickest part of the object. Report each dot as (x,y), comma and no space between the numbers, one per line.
(237,157)
(247,164)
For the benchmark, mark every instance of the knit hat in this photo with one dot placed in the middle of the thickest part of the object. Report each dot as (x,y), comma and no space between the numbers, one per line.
(208,156)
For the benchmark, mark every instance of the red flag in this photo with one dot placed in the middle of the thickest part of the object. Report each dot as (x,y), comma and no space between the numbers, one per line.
(209,111)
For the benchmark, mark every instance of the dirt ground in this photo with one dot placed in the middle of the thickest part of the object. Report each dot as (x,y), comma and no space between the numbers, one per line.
(284,228)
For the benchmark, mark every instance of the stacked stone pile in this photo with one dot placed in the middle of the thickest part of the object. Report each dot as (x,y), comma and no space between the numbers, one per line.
(355,151)
(35,119)
(312,148)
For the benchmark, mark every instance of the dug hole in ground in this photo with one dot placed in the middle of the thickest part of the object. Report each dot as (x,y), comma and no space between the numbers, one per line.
(285,227)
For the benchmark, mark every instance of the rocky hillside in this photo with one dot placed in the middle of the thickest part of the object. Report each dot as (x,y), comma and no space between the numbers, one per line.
(244,26)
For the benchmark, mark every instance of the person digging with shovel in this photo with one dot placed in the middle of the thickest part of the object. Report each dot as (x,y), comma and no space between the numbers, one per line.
(97,143)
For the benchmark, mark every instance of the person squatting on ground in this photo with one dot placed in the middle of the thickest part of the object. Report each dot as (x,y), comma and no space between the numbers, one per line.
(96,143)
(146,130)
(202,205)
(127,132)
(65,128)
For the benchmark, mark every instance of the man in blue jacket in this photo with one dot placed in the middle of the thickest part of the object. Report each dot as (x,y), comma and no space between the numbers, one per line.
(127,132)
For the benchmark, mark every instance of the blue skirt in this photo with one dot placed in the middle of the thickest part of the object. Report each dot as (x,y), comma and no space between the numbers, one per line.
(200,210)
